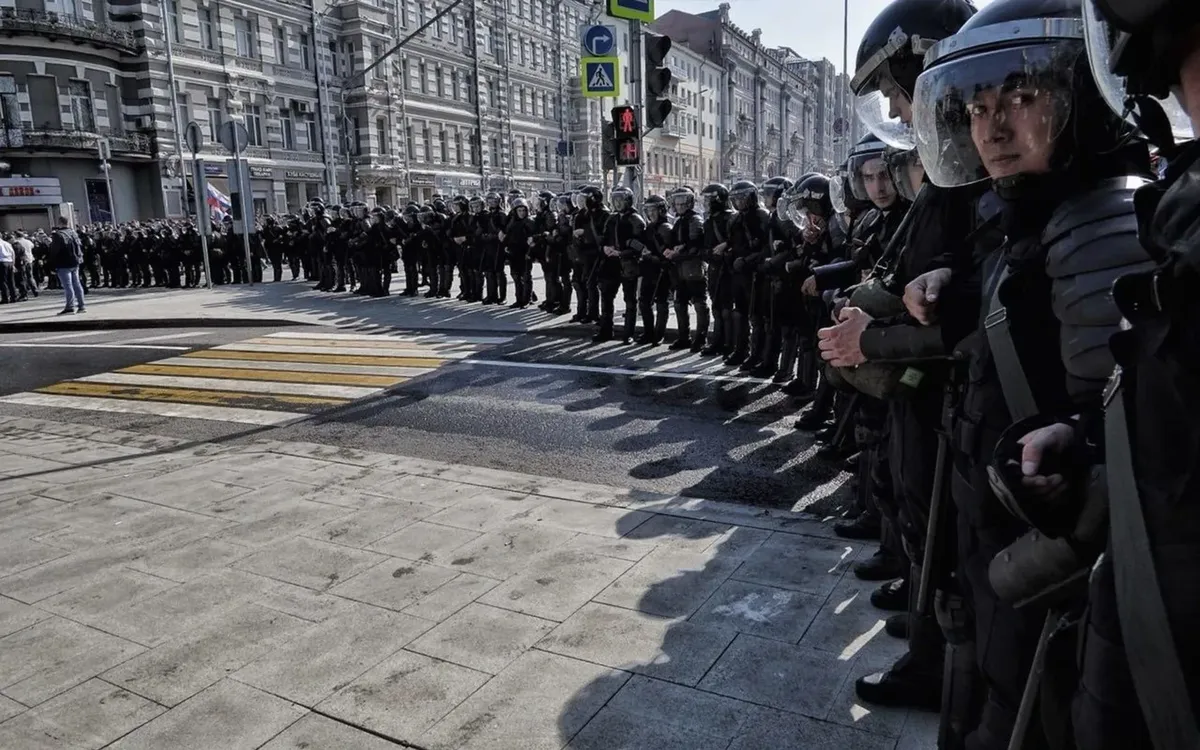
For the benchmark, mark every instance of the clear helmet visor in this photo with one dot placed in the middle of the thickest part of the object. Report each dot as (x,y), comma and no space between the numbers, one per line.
(995,114)
(870,179)
(579,200)
(1099,36)
(837,193)
(886,110)
(908,174)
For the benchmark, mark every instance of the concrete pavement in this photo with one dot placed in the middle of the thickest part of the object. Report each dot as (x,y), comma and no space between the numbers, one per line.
(269,594)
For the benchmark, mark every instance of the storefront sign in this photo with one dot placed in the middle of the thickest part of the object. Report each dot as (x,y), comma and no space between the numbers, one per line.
(422,179)
(30,191)
(296,174)
(261,172)
(214,170)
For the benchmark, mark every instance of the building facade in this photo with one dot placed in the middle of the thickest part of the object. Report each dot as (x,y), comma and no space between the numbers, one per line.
(685,150)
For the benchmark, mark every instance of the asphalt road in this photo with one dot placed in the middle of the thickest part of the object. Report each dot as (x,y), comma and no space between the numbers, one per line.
(543,403)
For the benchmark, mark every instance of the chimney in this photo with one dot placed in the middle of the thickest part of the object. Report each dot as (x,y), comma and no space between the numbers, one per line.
(756,37)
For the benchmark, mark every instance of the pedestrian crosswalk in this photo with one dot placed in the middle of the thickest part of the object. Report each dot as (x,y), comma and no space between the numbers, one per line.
(269,380)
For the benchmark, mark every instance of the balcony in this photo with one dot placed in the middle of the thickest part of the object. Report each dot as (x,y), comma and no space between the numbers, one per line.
(55,26)
(64,141)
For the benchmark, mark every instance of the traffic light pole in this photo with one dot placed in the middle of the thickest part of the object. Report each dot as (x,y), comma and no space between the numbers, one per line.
(632,177)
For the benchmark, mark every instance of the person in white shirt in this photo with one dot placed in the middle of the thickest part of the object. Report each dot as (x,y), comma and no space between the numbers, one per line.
(8,256)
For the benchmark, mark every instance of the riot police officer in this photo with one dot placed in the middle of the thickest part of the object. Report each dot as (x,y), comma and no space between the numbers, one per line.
(618,267)
(748,243)
(654,292)
(1026,115)
(718,218)
(585,252)
(686,254)
(1141,657)
(560,242)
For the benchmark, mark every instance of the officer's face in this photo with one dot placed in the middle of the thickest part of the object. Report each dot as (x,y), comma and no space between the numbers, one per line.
(878,183)
(899,105)
(1013,129)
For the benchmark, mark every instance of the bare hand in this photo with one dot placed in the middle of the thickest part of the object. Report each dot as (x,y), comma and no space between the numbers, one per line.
(839,344)
(921,295)
(578,232)
(809,287)
(1056,438)
(720,248)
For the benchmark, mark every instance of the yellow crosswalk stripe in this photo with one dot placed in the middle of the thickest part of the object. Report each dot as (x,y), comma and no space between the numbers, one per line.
(384,344)
(192,396)
(277,376)
(330,359)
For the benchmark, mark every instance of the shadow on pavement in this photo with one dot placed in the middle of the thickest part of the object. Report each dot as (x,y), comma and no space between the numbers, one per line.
(751,642)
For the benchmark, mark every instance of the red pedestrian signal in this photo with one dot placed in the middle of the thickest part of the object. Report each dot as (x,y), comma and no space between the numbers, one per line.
(624,120)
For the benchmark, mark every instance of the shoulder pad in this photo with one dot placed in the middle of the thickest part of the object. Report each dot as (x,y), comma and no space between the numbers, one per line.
(1091,241)
(1095,230)
(762,213)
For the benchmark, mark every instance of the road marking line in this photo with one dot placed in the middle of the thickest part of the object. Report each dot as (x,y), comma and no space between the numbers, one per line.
(276,348)
(428,338)
(387,373)
(157,408)
(68,344)
(228,384)
(238,373)
(76,335)
(365,347)
(333,359)
(167,337)
(614,371)
(185,395)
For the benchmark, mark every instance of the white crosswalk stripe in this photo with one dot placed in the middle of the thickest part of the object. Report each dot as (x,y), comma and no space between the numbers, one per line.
(268,380)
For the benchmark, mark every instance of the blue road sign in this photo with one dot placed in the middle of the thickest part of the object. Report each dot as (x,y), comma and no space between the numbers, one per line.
(632,10)
(599,77)
(598,41)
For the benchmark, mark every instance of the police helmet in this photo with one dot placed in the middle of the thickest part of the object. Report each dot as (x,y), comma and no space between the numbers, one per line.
(715,197)
(621,199)
(520,203)
(890,59)
(868,175)
(808,203)
(773,189)
(655,207)
(682,199)
(589,197)
(564,202)
(493,200)
(475,204)
(545,200)
(1011,95)
(744,195)
(460,204)
(1134,48)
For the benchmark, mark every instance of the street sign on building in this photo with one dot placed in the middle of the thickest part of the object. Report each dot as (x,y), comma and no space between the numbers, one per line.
(599,76)
(598,41)
(234,137)
(30,191)
(632,10)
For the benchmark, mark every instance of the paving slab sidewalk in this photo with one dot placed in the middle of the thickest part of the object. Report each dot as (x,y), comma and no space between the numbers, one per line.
(285,595)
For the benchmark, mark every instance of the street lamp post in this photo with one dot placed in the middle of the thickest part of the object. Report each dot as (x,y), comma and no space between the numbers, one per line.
(323,104)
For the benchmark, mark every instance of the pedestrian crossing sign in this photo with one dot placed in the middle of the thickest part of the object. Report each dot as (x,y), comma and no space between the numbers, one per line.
(599,77)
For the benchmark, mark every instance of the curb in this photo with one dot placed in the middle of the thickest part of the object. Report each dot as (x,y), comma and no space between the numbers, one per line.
(117,324)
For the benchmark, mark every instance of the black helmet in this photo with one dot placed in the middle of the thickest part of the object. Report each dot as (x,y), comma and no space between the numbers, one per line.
(773,188)
(682,199)
(461,204)
(716,197)
(564,201)
(589,197)
(1012,95)
(439,205)
(545,200)
(1135,52)
(492,200)
(655,207)
(868,175)
(744,195)
(621,199)
(807,199)
(890,58)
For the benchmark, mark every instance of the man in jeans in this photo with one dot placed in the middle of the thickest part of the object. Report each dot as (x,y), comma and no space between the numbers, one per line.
(67,253)
(23,247)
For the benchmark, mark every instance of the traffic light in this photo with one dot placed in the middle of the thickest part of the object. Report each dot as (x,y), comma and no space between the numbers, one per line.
(608,147)
(658,80)
(627,145)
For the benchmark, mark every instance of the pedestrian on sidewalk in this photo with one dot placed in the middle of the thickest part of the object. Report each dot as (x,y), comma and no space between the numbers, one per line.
(8,256)
(67,252)
(26,284)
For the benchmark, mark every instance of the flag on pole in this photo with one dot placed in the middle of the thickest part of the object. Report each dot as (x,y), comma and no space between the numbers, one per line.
(218,203)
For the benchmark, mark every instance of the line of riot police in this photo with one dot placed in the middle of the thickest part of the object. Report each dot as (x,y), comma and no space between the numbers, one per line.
(1037,515)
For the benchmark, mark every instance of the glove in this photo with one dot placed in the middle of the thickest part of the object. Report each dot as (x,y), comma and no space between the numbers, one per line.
(794,266)
(739,264)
